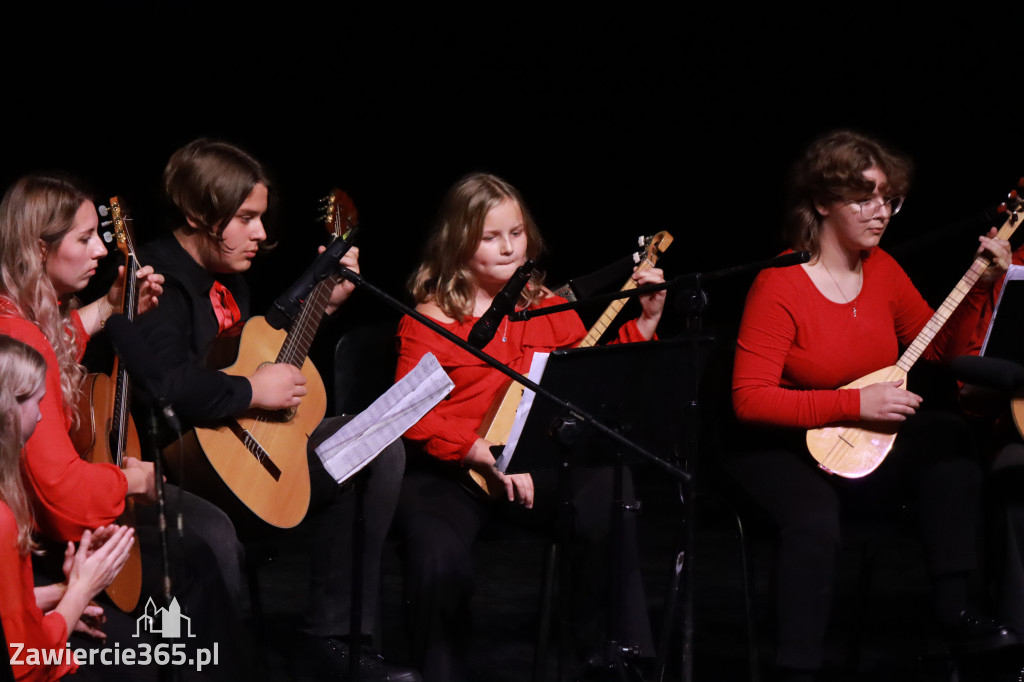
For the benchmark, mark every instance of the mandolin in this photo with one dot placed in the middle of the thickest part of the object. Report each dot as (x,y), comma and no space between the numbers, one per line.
(106,433)
(855,449)
(498,420)
(259,459)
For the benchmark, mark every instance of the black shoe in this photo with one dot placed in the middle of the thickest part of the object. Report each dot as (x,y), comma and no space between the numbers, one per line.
(327,658)
(974,634)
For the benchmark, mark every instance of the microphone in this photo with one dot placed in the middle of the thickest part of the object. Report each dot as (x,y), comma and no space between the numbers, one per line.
(996,373)
(286,307)
(788,259)
(132,348)
(504,303)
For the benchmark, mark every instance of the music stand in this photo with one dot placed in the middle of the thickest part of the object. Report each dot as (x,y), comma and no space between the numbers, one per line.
(644,391)
(1005,338)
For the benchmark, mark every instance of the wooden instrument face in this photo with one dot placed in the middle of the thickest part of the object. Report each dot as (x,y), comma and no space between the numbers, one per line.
(261,456)
(855,450)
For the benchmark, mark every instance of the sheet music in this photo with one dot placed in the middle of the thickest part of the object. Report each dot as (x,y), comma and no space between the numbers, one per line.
(360,440)
(537,365)
(1013,272)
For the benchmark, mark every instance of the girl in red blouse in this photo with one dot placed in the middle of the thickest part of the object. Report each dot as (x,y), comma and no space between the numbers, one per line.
(87,570)
(49,250)
(808,330)
(484,233)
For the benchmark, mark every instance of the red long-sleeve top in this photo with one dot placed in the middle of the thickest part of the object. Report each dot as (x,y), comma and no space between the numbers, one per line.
(796,347)
(24,623)
(69,494)
(450,429)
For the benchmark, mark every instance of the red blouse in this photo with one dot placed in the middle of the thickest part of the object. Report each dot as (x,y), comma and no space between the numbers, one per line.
(449,430)
(24,623)
(796,347)
(70,494)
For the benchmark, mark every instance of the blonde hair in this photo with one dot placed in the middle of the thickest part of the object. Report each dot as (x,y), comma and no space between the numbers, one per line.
(444,276)
(35,211)
(22,373)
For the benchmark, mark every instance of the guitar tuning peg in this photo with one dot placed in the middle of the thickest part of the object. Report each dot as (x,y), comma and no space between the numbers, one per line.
(103,210)
(636,257)
(1002,208)
(108,237)
(640,241)
(1020,183)
(1012,195)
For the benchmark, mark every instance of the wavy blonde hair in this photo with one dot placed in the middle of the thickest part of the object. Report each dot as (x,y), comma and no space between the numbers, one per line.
(22,373)
(444,277)
(36,214)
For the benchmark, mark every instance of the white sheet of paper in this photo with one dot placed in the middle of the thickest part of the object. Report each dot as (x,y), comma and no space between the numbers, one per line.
(537,365)
(360,440)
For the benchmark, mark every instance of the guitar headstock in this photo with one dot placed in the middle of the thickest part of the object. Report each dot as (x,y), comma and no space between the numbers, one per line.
(652,247)
(117,225)
(339,213)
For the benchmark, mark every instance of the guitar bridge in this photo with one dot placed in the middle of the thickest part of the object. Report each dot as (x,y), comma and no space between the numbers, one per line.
(254,447)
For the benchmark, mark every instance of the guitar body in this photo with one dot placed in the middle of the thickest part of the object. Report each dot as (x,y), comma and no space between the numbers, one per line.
(277,490)
(93,441)
(855,449)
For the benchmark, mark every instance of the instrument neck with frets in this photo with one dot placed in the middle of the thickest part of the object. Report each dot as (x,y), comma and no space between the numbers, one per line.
(109,434)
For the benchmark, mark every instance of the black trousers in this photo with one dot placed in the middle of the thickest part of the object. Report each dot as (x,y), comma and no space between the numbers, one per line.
(332,513)
(1005,500)
(932,461)
(438,520)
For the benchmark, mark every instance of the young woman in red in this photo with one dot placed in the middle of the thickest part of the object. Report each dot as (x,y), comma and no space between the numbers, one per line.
(808,330)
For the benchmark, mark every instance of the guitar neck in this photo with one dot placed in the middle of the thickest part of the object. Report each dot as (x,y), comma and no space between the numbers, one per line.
(949,306)
(122,385)
(307,322)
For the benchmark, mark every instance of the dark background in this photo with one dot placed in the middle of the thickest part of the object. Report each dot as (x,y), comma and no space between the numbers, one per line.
(612,124)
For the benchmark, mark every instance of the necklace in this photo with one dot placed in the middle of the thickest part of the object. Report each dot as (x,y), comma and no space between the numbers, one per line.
(849,301)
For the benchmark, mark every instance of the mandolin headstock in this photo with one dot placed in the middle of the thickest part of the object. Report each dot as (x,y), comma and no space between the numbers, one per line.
(652,247)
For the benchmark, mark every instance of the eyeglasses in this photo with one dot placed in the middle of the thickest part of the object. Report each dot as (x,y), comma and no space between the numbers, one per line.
(869,208)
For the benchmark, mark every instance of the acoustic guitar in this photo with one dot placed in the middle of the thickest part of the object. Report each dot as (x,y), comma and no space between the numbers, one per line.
(855,449)
(498,420)
(106,433)
(259,459)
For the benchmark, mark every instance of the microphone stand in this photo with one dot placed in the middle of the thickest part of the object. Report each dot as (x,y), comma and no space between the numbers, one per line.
(691,281)
(581,415)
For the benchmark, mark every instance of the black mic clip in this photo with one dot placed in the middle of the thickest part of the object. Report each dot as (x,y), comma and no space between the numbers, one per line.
(286,307)
(504,303)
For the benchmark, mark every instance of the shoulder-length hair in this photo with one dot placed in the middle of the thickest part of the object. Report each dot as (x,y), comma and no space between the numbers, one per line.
(444,276)
(22,373)
(209,180)
(36,214)
(832,169)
